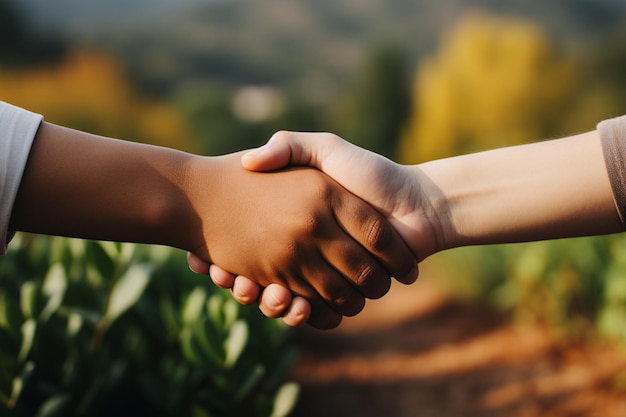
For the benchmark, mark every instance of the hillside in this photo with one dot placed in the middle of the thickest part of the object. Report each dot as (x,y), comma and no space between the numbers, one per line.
(309,46)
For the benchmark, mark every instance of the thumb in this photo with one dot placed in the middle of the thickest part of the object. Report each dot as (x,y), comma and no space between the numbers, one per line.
(282,150)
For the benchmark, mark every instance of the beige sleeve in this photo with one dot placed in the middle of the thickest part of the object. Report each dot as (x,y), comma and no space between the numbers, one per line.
(613,137)
(17,131)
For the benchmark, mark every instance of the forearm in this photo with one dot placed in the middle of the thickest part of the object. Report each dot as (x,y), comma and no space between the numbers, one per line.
(545,190)
(81,185)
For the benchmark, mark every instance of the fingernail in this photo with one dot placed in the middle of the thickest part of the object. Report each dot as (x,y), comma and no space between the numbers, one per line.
(275,303)
(240,297)
(295,316)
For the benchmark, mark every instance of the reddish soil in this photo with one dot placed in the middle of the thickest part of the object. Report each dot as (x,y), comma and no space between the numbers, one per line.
(417,352)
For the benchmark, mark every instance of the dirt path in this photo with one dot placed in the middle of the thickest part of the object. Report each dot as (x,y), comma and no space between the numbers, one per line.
(417,353)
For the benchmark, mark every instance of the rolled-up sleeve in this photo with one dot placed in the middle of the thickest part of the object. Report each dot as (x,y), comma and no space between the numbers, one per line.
(17,131)
(613,137)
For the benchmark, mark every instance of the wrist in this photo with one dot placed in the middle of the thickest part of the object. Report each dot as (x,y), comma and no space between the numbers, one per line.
(431,215)
(524,193)
(181,209)
(461,200)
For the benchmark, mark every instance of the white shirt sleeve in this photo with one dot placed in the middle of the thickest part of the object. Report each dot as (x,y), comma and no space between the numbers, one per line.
(17,131)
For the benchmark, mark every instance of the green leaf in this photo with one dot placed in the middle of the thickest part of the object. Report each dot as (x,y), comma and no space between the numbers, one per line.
(170,315)
(207,336)
(29,329)
(159,254)
(286,399)
(20,381)
(192,310)
(235,342)
(112,249)
(255,375)
(127,251)
(10,317)
(189,346)
(214,307)
(54,286)
(100,266)
(87,316)
(126,292)
(54,406)
(231,311)
(28,298)
(77,248)
(74,324)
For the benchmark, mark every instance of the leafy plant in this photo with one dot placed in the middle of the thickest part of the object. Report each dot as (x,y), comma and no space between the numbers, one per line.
(576,285)
(101,329)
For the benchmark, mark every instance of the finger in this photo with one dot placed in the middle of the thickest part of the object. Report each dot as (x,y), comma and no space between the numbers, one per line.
(333,287)
(324,151)
(275,300)
(357,267)
(275,154)
(323,318)
(221,278)
(245,291)
(196,264)
(321,315)
(377,236)
(336,158)
(298,312)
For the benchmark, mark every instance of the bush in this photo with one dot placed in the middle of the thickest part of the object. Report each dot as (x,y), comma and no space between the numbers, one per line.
(102,329)
(575,285)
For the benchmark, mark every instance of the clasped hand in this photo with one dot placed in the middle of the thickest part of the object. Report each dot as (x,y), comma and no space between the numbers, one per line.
(301,230)
(340,290)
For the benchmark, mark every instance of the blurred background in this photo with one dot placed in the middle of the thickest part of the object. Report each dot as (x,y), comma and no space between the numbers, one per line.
(508,330)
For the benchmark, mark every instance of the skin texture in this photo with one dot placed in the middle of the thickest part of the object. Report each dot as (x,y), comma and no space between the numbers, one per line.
(297,228)
(546,190)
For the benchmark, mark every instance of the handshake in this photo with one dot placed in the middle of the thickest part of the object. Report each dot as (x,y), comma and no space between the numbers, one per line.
(341,247)
(308,225)
(348,252)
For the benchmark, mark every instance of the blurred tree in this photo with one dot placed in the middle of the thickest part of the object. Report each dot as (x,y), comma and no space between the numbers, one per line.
(379,104)
(607,67)
(494,82)
(20,44)
(90,92)
(221,131)
(217,127)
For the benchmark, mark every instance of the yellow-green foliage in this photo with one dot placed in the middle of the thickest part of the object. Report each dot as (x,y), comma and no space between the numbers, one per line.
(89,91)
(492,82)
(496,82)
(576,285)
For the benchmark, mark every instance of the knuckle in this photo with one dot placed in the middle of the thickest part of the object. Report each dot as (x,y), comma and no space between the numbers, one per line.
(330,138)
(322,188)
(372,281)
(311,225)
(377,233)
(347,301)
(284,259)
(366,274)
(281,136)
